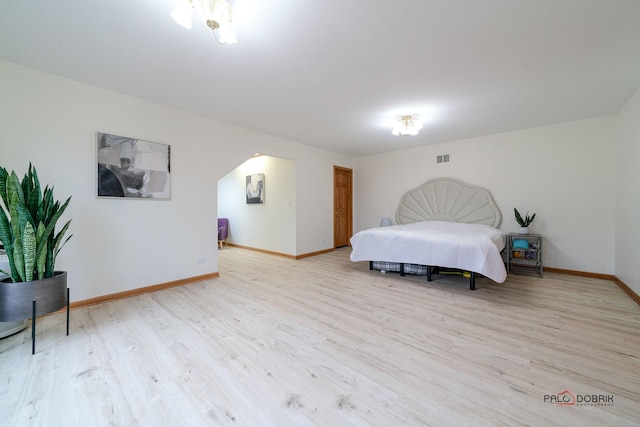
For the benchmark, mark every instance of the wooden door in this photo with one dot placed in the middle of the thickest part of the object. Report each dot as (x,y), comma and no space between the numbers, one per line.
(342,206)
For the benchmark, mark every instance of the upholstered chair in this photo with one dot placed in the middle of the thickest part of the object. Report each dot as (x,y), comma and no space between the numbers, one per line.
(223,231)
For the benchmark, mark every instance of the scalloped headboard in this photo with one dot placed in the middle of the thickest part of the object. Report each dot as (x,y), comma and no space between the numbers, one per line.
(448,199)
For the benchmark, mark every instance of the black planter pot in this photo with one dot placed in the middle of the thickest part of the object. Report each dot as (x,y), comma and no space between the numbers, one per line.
(23,300)
(16,298)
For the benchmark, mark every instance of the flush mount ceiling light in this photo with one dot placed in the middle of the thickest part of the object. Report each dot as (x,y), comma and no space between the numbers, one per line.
(407,125)
(215,13)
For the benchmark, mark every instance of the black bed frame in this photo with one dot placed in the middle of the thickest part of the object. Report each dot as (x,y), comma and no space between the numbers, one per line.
(437,270)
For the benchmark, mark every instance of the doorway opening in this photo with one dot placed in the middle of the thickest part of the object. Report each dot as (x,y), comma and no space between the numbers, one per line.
(266,222)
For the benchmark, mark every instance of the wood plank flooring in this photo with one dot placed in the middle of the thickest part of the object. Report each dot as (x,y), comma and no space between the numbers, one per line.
(323,341)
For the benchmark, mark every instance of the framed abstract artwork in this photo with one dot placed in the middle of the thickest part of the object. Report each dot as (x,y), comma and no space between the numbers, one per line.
(255,188)
(133,168)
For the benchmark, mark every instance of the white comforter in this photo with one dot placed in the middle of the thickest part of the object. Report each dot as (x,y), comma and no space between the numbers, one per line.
(470,247)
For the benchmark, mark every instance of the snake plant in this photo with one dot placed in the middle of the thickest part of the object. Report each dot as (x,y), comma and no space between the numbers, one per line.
(27,226)
(523,222)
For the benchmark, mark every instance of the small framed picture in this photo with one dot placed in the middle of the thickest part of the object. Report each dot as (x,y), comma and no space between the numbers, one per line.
(255,188)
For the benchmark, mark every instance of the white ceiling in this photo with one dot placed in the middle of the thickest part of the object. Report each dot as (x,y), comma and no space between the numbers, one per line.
(333,73)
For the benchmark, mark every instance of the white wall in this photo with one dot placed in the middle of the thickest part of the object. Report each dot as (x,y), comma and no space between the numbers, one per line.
(628,196)
(565,173)
(120,245)
(269,226)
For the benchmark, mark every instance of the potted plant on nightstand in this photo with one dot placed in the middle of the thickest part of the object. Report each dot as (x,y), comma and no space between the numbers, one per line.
(28,218)
(525,222)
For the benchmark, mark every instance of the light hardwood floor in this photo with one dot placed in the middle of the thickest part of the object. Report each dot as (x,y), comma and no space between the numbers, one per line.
(325,342)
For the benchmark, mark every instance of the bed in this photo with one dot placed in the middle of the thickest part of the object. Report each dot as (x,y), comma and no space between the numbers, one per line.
(444,226)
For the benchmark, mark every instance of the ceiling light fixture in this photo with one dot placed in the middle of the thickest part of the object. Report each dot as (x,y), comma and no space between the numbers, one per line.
(215,13)
(406,126)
